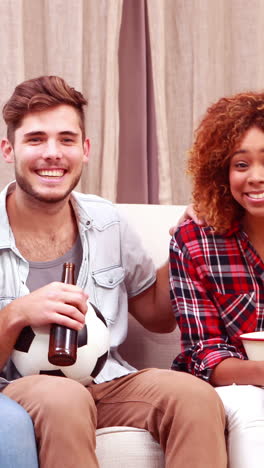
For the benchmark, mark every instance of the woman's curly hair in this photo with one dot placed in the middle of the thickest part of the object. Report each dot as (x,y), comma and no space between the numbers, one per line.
(220,131)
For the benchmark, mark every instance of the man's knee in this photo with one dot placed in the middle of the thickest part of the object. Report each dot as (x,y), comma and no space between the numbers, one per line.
(185,393)
(182,385)
(51,396)
(59,393)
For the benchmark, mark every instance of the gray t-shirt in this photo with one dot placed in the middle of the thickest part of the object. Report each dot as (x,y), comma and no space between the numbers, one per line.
(42,273)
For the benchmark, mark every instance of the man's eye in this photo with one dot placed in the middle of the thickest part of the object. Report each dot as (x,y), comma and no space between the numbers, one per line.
(34,140)
(67,140)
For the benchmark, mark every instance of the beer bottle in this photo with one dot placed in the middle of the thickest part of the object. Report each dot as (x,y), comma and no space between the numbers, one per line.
(63,340)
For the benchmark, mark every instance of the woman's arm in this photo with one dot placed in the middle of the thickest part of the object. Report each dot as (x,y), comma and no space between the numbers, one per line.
(204,337)
(240,372)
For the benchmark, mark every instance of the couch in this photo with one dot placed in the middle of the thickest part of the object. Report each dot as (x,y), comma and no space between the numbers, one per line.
(129,447)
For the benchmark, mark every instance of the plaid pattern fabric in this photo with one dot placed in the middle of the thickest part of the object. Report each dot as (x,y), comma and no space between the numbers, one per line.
(217,293)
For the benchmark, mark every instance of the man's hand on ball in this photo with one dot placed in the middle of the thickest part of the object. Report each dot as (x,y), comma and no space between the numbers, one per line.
(64,304)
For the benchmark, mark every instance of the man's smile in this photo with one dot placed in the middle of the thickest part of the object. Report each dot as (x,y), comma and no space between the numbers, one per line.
(51,172)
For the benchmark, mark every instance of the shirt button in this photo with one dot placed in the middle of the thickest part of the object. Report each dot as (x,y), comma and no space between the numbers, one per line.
(110,281)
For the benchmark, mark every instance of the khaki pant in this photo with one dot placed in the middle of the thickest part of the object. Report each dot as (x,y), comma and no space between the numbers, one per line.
(184,414)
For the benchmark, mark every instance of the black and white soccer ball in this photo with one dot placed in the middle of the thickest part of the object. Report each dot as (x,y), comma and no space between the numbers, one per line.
(30,354)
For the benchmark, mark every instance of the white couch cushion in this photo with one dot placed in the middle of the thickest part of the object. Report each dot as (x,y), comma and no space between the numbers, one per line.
(127,447)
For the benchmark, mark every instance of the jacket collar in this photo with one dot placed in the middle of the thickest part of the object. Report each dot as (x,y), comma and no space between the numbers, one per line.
(89,210)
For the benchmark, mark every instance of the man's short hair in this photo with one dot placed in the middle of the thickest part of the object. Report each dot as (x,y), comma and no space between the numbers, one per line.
(39,94)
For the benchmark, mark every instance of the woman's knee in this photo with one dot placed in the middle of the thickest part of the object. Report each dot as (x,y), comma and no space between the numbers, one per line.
(244,405)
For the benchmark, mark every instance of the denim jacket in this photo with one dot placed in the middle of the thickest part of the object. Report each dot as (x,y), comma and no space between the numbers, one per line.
(114,267)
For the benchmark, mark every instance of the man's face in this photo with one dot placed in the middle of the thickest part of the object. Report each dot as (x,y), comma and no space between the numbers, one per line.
(49,154)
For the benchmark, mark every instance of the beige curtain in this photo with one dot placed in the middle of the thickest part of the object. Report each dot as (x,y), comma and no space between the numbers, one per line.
(138,180)
(199,50)
(78,40)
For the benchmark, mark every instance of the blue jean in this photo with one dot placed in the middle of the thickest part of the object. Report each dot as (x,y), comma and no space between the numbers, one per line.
(17,438)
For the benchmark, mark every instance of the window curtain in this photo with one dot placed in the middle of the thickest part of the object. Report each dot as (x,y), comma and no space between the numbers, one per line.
(149,68)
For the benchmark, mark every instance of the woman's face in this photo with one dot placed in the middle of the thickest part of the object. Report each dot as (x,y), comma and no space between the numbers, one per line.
(246,173)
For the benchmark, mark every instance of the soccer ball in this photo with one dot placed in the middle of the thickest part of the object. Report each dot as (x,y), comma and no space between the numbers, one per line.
(30,354)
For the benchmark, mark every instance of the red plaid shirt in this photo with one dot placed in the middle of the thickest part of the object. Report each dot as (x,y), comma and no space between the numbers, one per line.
(217,293)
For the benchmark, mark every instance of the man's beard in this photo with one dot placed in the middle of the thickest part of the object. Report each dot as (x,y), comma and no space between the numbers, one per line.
(29,190)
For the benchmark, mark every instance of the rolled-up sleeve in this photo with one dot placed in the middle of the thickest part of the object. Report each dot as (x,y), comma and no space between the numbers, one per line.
(204,338)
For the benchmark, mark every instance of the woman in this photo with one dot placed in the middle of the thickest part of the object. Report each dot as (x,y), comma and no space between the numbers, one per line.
(217,270)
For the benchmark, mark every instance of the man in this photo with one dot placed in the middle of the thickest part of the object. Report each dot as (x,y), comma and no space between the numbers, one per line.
(44,223)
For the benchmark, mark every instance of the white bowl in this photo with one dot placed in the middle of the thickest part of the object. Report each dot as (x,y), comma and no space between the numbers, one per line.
(254,345)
